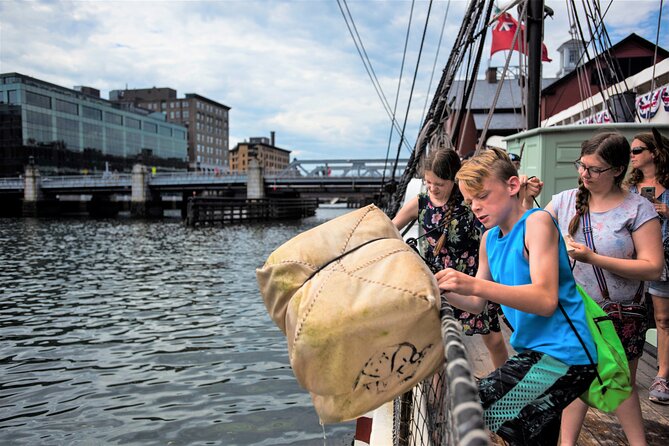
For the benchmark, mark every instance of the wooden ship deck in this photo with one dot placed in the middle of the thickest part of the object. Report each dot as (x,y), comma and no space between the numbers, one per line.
(600,428)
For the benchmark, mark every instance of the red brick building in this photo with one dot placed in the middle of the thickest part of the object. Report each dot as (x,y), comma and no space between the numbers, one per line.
(630,56)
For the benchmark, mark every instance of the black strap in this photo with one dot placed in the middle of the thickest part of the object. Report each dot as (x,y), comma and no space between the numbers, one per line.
(571,324)
(599,273)
(590,241)
(580,339)
(341,256)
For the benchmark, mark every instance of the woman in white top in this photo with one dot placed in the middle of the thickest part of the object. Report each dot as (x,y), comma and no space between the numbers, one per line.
(626,233)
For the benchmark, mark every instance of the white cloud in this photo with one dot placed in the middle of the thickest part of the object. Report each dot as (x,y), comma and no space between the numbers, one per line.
(286,66)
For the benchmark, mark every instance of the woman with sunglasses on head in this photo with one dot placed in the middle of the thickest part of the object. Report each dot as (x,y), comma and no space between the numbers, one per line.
(625,230)
(650,172)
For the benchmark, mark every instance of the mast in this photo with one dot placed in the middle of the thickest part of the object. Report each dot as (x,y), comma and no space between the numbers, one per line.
(535,25)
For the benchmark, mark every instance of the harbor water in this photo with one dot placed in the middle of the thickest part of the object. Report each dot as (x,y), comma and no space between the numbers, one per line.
(131,332)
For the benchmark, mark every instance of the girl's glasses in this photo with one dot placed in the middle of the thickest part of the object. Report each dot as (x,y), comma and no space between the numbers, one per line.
(638,150)
(594,172)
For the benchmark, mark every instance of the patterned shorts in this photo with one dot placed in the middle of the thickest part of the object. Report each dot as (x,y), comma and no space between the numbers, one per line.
(523,400)
(482,323)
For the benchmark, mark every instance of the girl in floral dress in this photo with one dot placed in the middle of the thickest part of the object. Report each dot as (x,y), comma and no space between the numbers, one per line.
(453,238)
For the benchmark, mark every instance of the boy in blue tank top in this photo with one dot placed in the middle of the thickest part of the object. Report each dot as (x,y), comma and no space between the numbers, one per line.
(523,266)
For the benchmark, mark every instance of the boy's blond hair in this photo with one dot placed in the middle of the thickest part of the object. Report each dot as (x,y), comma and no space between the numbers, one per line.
(493,162)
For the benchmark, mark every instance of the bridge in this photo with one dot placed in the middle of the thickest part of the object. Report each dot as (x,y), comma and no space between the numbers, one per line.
(350,179)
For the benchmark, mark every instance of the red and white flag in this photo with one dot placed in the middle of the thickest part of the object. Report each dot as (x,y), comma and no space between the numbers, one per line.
(503,31)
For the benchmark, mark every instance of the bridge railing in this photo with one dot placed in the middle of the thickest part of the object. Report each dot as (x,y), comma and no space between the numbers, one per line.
(338,168)
(177,178)
(83,181)
(11,183)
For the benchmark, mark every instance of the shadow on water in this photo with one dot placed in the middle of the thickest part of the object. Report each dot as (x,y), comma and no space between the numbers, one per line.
(131,332)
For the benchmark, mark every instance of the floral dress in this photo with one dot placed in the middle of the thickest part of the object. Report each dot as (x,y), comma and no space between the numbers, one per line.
(459,251)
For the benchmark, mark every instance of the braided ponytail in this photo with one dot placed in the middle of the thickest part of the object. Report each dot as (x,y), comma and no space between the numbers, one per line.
(582,206)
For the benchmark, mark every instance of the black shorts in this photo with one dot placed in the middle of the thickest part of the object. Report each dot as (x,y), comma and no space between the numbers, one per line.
(523,400)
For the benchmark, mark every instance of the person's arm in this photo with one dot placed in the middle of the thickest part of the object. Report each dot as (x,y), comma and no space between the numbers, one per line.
(539,297)
(408,213)
(529,190)
(647,265)
(448,281)
(661,208)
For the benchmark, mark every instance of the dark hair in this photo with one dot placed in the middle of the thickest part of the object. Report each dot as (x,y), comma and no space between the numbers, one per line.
(614,149)
(443,162)
(661,160)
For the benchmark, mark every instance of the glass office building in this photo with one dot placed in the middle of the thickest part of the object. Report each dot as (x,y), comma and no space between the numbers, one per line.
(74,130)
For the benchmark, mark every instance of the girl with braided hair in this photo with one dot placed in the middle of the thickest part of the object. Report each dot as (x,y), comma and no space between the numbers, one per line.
(625,230)
(650,168)
(453,236)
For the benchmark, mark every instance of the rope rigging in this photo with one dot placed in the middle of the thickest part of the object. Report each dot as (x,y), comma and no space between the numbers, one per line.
(434,130)
(367,64)
(397,93)
(413,85)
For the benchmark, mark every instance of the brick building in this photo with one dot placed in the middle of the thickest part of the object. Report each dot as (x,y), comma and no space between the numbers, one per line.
(207,122)
(270,157)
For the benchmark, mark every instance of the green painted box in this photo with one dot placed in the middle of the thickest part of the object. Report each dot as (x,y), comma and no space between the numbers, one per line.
(549,153)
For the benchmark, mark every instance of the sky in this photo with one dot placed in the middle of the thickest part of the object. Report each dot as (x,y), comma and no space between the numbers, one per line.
(288,66)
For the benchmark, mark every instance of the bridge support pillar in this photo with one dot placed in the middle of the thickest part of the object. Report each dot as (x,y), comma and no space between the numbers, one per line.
(33,199)
(255,183)
(143,203)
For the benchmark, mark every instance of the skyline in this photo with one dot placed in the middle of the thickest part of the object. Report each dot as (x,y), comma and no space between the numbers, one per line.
(286,66)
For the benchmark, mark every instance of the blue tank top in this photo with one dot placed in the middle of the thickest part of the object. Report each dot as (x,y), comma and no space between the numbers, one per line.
(550,335)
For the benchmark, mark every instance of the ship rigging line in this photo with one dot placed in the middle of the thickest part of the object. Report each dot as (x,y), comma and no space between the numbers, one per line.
(657,40)
(368,66)
(606,45)
(436,57)
(397,93)
(413,85)
(488,120)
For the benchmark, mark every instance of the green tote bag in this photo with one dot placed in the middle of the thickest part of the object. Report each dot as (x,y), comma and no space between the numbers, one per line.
(612,385)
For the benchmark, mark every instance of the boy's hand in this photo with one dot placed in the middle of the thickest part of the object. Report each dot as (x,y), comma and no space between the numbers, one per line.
(455,281)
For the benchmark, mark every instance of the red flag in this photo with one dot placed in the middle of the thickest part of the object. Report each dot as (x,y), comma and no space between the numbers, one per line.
(503,31)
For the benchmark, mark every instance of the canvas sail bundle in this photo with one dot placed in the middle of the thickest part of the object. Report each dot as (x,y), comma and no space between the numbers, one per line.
(360,311)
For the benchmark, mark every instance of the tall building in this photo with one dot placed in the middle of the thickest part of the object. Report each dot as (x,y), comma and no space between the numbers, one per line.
(73,131)
(206,120)
(270,157)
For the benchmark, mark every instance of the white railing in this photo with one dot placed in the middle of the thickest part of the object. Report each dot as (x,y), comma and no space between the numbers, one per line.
(195,177)
(105,180)
(11,183)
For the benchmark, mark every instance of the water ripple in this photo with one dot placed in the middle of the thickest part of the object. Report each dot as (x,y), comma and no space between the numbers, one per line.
(145,333)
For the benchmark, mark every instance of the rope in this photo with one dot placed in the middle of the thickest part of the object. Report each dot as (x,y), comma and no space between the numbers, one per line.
(499,88)
(657,40)
(368,65)
(397,93)
(413,85)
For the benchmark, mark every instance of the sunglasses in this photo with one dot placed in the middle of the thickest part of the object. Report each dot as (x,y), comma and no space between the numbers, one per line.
(638,150)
